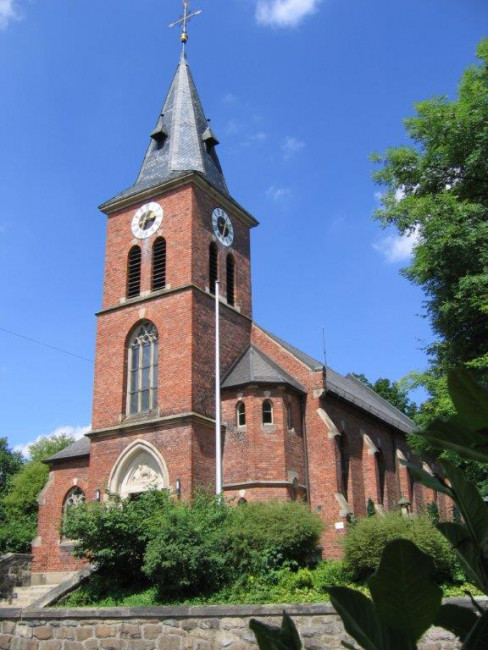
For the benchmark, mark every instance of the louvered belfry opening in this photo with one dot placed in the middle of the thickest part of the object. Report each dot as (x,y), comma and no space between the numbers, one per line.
(230,280)
(213,267)
(159,264)
(134,272)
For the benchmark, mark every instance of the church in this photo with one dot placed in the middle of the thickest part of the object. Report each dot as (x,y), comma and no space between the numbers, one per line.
(292,429)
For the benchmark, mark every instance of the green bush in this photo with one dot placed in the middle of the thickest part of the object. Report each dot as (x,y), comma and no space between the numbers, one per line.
(367,538)
(115,535)
(265,536)
(330,574)
(187,552)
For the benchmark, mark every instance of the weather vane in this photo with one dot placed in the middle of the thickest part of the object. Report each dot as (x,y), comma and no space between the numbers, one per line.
(183,21)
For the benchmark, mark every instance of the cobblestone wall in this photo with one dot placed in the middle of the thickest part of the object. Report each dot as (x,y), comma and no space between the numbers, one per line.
(173,628)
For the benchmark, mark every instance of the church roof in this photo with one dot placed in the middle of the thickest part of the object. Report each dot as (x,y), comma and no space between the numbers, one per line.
(351,389)
(77,448)
(254,367)
(181,142)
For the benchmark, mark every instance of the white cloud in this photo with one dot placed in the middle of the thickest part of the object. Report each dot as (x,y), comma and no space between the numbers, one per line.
(233,126)
(278,194)
(397,248)
(230,98)
(259,137)
(284,13)
(291,146)
(9,11)
(77,432)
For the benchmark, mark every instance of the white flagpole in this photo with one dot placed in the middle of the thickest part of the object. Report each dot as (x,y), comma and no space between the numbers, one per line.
(218,431)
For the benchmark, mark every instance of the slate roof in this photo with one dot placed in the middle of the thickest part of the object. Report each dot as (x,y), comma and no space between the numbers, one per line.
(78,448)
(254,367)
(351,389)
(181,142)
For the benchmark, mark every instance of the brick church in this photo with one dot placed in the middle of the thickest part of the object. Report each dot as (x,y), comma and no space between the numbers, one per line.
(291,428)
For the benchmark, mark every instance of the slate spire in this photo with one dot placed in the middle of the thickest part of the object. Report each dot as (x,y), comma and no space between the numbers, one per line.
(182,140)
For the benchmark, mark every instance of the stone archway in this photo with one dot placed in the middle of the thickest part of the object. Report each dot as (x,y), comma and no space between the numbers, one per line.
(140,467)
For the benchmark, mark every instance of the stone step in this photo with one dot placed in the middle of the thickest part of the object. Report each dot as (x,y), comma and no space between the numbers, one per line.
(24,596)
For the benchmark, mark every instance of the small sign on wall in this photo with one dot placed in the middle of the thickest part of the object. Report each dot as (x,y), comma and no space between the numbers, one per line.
(339,525)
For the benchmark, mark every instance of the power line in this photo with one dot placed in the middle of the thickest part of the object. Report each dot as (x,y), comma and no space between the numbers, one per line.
(45,345)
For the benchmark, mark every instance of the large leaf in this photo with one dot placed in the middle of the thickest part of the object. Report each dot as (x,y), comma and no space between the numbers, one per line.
(405,597)
(359,617)
(456,619)
(289,634)
(468,553)
(427,479)
(477,639)
(470,399)
(453,435)
(470,504)
(268,637)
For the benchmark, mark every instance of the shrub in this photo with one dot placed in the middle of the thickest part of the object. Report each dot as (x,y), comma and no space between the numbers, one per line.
(187,552)
(265,536)
(366,540)
(114,535)
(330,574)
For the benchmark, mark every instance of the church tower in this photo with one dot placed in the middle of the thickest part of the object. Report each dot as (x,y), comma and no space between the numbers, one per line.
(170,236)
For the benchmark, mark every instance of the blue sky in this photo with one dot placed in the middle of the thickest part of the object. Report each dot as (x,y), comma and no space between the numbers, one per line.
(300,93)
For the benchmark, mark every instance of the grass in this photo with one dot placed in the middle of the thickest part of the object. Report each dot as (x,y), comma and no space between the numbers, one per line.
(277,587)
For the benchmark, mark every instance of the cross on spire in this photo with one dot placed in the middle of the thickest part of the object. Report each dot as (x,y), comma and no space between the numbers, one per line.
(183,21)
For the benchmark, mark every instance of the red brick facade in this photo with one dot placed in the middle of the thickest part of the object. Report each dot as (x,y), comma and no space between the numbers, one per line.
(315,445)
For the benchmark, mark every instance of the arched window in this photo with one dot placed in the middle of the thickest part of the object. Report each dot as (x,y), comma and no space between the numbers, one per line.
(159,264)
(342,447)
(241,414)
(213,267)
(267,412)
(380,475)
(134,272)
(289,417)
(74,497)
(230,280)
(142,367)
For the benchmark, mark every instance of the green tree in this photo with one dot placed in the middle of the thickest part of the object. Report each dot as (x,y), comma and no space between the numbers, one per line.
(438,188)
(396,393)
(10,464)
(18,516)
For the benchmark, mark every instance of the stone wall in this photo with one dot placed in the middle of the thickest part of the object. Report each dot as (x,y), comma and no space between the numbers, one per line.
(174,628)
(15,571)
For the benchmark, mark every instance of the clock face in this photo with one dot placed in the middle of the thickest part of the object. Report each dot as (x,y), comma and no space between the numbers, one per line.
(147,220)
(222,227)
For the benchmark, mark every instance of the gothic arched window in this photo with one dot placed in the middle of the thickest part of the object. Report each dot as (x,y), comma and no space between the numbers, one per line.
(230,280)
(74,497)
(213,267)
(241,414)
(142,369)
(134,272)
(159,264)
(267,412)
(289,417)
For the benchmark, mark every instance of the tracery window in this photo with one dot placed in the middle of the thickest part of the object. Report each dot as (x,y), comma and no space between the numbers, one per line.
(73,498)
(142,368)
(289,417)
(241,414)
(230,280)
(159,264)
(134,272)
(267,412)
(213,268)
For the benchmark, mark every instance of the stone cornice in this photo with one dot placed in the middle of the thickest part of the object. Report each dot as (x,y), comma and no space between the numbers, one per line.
(114,205)
(153,423)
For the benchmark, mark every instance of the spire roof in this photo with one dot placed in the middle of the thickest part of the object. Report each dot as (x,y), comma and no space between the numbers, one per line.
(181,142)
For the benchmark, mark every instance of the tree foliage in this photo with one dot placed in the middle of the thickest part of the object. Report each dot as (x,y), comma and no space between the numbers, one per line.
(396,393)
(18,504)
(438,188)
